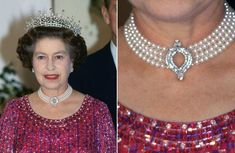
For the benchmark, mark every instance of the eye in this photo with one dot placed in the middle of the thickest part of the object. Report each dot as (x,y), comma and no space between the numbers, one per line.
(40,57)
(60,57)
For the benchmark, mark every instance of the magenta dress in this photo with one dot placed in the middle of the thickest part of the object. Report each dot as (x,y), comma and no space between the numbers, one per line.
(89,130)
(141,134)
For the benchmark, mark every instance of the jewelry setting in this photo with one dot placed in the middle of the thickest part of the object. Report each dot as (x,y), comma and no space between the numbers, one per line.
(51,19)
(187,59)
(199,52)
(56,99)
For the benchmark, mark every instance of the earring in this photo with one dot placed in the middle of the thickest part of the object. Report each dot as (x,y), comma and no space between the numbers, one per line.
(32,70)
(71,69)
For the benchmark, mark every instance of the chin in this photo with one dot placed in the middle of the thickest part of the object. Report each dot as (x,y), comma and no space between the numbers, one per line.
(167,10)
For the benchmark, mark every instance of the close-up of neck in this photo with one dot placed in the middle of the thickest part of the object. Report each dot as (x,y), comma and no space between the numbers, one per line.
(189,28)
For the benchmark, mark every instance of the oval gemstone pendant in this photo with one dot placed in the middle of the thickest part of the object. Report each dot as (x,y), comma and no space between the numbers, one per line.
(170,61)
(54,101)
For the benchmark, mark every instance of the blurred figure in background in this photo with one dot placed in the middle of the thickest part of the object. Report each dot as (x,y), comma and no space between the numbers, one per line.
(97,76)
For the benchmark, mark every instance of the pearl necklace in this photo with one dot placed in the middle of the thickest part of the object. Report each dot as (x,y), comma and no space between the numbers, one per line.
(56,99)
(199,52)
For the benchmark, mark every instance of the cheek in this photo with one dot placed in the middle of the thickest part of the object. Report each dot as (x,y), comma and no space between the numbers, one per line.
(113,18)
(65,73)
(65,67)
(36,65)
(113,21)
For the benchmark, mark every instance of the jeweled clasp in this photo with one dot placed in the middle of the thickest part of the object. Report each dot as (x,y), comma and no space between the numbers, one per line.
(170,61)
(54,101)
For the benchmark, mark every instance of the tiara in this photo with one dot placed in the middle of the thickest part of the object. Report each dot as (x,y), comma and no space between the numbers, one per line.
(51,19)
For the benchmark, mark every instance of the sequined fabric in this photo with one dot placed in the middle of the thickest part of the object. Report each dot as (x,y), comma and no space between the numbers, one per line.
(138,133)
(89,130)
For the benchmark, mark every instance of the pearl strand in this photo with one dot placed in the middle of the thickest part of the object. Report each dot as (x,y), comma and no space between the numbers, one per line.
(201,51)
(55,99)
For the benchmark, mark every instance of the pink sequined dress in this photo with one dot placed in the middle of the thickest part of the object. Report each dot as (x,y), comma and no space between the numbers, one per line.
(138,134)
(89,130)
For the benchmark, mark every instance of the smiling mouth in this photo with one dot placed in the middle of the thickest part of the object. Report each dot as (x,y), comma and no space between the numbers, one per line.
(51,76)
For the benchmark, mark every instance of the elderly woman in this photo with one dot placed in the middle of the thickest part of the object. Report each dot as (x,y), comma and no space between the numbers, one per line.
(176,77)
(55,118)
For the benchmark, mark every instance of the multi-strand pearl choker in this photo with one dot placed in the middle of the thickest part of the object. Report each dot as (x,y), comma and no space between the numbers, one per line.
(199,52)
(56,99)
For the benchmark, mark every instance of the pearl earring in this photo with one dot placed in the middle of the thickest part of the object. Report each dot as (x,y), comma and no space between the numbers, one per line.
(71,69)
(32,70)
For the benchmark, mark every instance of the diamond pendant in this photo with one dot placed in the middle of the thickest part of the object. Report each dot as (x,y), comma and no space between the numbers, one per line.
(54,101)
(187,59)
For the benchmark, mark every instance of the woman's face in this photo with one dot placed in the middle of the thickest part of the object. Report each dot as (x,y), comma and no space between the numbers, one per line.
(171,10)
(52,64)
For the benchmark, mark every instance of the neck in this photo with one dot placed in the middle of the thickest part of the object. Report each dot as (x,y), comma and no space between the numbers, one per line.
(54,92)
(54,100)
(189,29)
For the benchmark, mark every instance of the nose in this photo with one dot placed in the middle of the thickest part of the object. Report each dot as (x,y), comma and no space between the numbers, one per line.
(50,64)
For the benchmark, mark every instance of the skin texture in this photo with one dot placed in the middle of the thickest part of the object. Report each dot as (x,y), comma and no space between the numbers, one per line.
(188,21)
(52,66)
(208,88)
(109,15)
(171,11)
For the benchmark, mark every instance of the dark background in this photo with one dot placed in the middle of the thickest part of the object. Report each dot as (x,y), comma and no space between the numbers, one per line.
(232,3)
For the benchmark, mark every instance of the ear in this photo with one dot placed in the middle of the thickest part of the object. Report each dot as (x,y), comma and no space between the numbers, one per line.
(105,14)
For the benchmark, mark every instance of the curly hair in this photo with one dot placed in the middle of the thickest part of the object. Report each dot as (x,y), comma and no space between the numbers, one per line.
(74,44)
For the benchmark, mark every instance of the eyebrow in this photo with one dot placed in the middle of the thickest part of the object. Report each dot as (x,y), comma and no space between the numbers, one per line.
(58,52)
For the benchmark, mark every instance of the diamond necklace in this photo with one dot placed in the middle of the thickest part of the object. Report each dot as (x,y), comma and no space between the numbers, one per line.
(199,52)
(56,99)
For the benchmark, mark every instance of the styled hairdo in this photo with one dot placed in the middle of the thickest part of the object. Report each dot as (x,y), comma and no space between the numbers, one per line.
(75,45)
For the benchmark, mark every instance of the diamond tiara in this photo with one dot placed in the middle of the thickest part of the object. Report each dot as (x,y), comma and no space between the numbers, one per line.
(51,19)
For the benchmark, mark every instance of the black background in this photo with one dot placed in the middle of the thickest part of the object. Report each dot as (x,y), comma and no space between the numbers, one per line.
(232,3)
